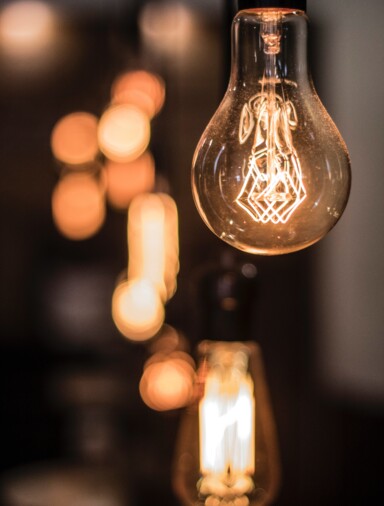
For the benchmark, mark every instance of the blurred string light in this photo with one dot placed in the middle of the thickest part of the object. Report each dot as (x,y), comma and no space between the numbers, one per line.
(122,135)
(168,381)
(126,180)
(78,205)
(138,302)
(74,138)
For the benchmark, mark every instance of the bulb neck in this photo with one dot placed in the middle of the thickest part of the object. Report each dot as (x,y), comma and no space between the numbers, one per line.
(282,4)
(269,45)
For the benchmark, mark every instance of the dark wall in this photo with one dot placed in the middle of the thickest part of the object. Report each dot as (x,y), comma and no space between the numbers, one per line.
(317,314)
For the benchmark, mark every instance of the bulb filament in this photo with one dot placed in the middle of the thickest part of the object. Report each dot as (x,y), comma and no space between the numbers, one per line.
(273,184)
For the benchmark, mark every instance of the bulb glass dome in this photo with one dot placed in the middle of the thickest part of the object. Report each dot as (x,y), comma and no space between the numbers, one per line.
(271,173)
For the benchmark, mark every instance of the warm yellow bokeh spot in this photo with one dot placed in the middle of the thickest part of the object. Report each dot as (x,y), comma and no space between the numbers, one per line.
(153,241)
(127,180)
(26,28)
(78,206)
(74,138)
(167,27)
(137,309)
(124,132)
(167,382)
(140,88)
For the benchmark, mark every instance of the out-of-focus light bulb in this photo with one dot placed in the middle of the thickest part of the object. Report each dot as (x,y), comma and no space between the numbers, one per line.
(140,88)
(167,382)
(124,132)
(78,205)
(227,451)
(137,309)
(271,173)
(74,138)
(125,181)
(153,242)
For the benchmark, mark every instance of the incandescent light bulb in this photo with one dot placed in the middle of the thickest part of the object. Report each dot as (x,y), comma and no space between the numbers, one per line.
(227,453)
(271,173)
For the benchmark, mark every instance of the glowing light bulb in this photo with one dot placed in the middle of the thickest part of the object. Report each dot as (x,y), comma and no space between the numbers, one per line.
(271,173)
(227,451)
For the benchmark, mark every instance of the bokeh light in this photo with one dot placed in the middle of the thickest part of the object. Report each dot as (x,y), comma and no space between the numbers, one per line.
(140,88)
(27,28)
(125,181)
(168,341)
(137,309)
(153,241)
(168,381)
(167,27)
(78,205)
(74,138)
(124,132)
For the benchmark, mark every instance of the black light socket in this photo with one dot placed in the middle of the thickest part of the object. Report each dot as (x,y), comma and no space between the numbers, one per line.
(284,4)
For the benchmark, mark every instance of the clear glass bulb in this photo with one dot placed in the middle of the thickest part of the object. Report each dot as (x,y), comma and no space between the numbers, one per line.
(227,453)
(271,173)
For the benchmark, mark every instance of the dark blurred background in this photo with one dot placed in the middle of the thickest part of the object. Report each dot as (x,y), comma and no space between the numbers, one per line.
(317,314)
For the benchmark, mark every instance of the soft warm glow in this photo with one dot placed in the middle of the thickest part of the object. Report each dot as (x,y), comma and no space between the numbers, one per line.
(167,382)
(127,180)
(26,28)
(153,241)
(74,138)
(124,132)
(137,309)
(169,341)
(167,26)
(227,424)
(78,206)
(140,88)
